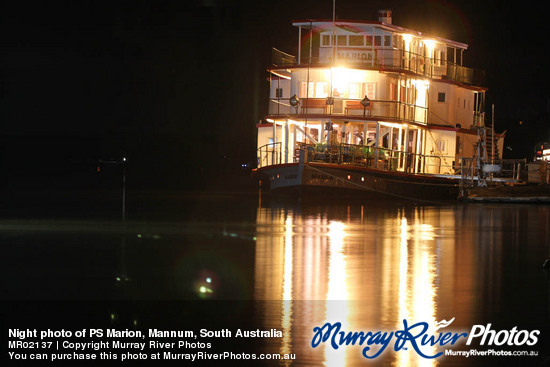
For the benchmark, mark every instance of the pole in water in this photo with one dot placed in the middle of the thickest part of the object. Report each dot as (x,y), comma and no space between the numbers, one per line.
(123,188)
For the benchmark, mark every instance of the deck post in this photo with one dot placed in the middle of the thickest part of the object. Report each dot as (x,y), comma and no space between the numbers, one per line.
(383,48)
(299,45)
(328,138)
(274,143)
(376,144)
(406,150)
(285,140)
(293,141)
(372,46)
(418,150)
(343,138)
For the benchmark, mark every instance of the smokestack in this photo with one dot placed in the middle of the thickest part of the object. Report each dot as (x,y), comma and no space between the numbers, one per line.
(384,16)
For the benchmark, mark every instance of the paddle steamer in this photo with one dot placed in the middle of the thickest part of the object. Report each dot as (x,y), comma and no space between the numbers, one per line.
(371,106)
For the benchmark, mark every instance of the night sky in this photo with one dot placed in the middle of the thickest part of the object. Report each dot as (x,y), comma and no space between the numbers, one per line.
(178,86)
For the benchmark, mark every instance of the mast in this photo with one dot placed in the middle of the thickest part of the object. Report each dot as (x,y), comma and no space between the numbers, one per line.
(309,67)
(493,134)
(333,32)
(331,96)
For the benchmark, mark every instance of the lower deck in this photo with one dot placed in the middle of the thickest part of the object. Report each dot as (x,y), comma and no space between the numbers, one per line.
(380,171)
(405,147)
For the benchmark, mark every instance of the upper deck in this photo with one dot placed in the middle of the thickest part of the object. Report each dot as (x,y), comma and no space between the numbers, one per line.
(380,46)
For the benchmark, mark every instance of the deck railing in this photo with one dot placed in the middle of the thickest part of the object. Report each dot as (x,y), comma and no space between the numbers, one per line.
(280,58)
(465,75)
(269,154)
(470,170)
(380,109)
(473,172)
(379,158)
(387,59)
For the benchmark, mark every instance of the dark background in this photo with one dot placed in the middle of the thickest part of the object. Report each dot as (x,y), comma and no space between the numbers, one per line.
(178,86)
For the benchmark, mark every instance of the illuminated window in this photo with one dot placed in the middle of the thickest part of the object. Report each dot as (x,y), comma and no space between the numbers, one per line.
(369,90)
(356,40)
(393,92)
(354,90)
(403,94)
(305,92)
(369,40)
(342,40)
(338,91)
(316,90)
(321,90)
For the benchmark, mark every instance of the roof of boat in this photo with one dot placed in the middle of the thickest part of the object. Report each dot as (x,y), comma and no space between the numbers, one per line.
(321,25)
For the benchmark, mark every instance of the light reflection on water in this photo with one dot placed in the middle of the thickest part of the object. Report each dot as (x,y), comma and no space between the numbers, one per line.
(366,266)
(370,270)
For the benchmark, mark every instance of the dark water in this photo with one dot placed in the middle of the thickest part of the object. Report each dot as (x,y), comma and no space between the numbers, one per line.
(248,260)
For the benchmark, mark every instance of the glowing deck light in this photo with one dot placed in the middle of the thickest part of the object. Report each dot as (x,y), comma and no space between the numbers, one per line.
(341,77)
(422,88)
(420,84)
(429,44)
